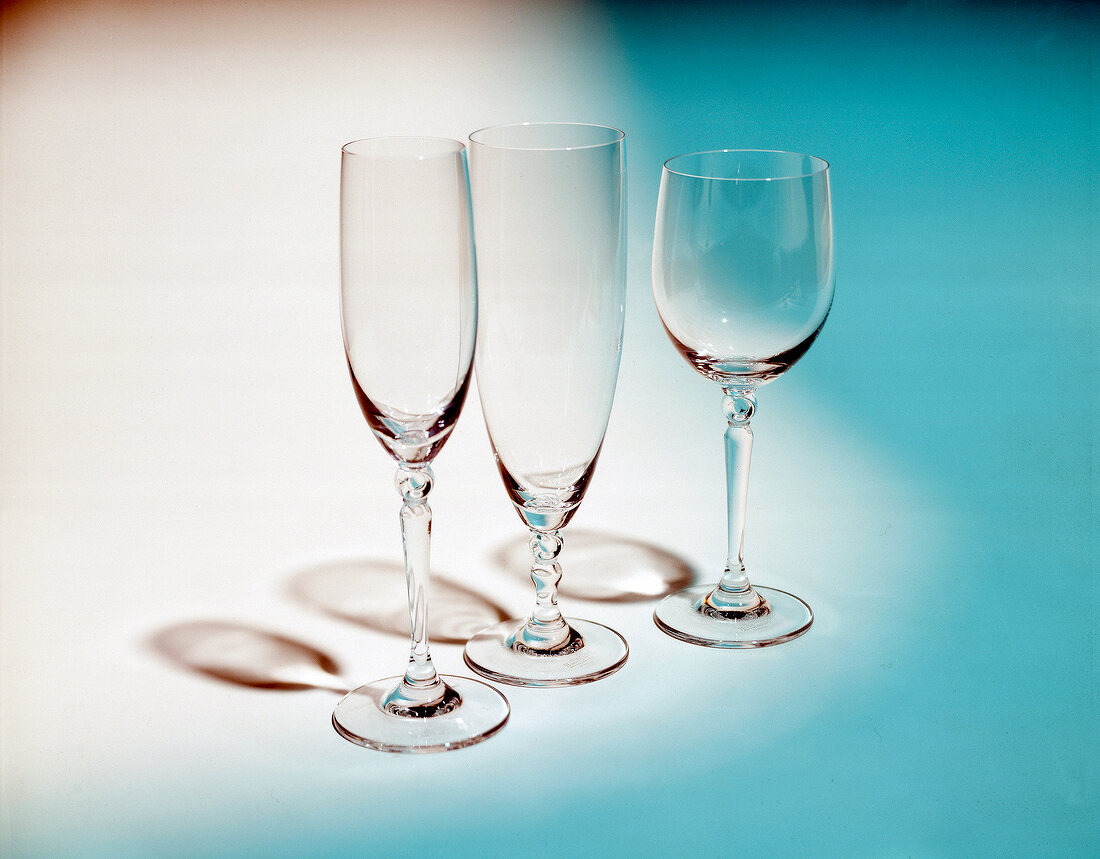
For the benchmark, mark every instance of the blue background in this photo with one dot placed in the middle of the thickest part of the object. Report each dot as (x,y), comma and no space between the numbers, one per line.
(962,139)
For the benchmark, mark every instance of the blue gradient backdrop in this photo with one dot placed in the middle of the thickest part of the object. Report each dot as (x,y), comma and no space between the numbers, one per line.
(963,145)
(962,139)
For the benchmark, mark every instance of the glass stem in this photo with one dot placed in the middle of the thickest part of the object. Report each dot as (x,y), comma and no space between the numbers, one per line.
(545,630)
(421,687)
(734,595)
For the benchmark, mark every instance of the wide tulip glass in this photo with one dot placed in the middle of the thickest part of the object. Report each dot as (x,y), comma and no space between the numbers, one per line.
(743,281)
(409,312)
(550,226)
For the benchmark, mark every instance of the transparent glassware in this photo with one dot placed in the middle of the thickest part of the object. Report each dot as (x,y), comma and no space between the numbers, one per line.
(743,281)
(408,307)
(551,243)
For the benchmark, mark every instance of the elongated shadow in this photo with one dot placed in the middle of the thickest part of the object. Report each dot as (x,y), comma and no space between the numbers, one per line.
(372,593)
(246,655)
(605,567)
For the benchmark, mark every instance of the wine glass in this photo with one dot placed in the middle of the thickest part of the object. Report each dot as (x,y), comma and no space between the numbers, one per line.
(408,301)
(743,281)
(550,234)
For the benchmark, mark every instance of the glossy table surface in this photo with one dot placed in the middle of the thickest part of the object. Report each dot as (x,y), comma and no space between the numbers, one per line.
(199,545)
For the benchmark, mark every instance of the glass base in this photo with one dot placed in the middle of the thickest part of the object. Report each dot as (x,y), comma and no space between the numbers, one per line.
(359,718)
(603,652)
(679,616)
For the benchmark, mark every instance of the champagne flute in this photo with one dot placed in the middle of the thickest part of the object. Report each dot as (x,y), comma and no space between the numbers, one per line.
(743,281)
(409,316)
(551,244)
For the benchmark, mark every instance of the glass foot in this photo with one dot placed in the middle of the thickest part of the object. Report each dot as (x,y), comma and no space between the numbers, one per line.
(602,651)
(679,616)
(359,718)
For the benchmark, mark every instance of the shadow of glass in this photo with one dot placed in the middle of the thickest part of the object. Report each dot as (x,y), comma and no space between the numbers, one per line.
(247,656)
(606,568)
(372,593)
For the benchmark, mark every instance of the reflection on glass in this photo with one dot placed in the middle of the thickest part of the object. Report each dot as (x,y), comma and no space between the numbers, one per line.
(408,301)
(743,281)
(551,241)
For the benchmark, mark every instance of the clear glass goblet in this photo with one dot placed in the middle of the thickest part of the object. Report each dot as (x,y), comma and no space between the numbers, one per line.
(551,242)
(743,281)
(408,302)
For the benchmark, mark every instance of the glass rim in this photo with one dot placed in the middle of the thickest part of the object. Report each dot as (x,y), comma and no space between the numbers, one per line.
(348,148)
(620,134)
(819,165)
